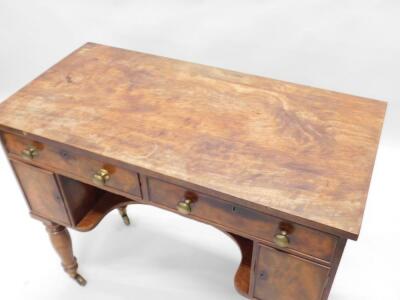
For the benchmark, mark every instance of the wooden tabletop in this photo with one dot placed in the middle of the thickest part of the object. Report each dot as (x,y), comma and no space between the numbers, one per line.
(282,147)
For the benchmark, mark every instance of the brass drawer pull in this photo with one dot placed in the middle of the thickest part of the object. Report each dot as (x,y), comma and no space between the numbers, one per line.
(30,152)
(101,177)
(281,239)
(184,207)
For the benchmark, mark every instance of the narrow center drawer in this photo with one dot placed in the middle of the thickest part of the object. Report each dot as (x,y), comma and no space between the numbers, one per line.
(265,227)
(60,159)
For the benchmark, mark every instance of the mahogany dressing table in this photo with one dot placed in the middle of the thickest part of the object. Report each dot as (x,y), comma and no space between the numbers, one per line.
(282,168)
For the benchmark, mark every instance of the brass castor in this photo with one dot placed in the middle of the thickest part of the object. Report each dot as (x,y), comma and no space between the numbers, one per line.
(124,215)
(80,280)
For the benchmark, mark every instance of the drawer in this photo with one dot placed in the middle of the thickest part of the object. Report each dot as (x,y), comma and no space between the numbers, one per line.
(63,160)
(282,276)
(264,227)
(44,199)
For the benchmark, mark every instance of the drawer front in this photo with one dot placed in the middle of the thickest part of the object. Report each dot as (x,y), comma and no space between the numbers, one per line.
(78,165)
(302,239)
(42,192)
(281,276)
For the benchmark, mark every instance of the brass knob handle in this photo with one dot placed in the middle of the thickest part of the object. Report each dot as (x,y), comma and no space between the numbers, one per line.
(281,239)
(30,152)
(184,207)
(101,177)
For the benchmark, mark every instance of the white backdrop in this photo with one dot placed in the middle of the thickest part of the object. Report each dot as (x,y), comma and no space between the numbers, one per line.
(348,46)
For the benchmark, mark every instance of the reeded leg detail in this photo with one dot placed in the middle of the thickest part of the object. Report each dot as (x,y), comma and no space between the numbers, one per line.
(61,240)
(124,215)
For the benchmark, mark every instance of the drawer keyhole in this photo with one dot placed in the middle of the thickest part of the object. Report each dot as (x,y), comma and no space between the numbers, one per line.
(263,275)
(64,154)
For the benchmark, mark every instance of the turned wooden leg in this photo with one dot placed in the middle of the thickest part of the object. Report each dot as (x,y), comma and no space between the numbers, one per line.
(124,215)
(61,240)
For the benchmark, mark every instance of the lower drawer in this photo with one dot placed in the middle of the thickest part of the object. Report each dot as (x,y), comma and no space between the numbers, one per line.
(281,276)
(300,238)
(42,193)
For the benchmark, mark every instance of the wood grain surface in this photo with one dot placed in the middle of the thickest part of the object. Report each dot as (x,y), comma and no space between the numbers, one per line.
(302,151)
